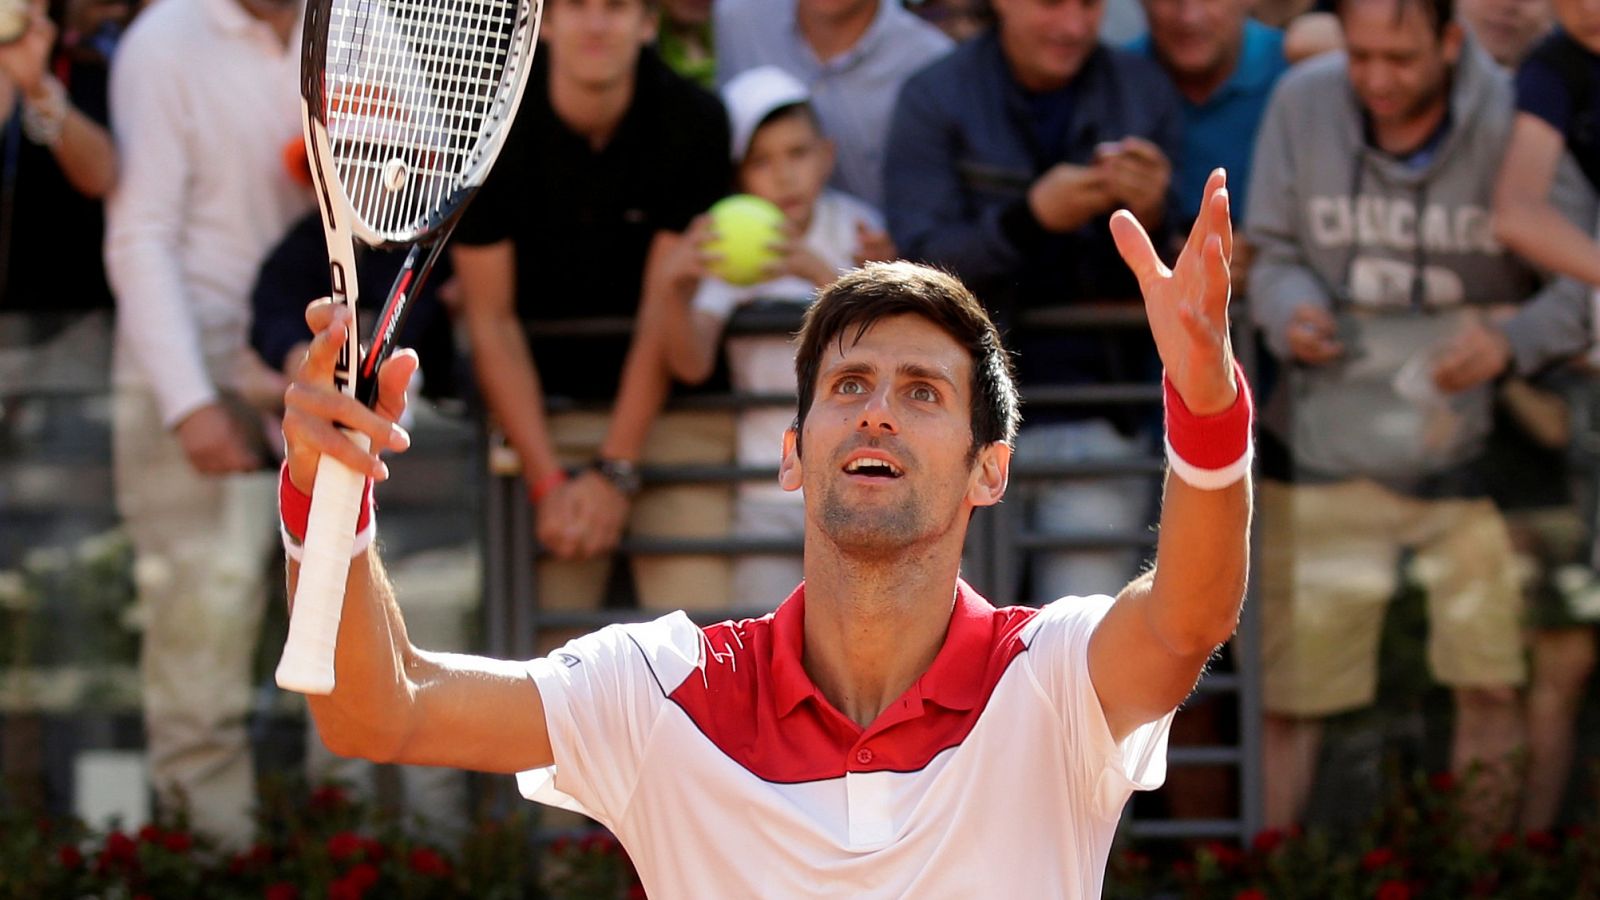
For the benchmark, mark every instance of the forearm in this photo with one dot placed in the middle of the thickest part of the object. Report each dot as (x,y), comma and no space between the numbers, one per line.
(86,155)
(1539,233)
(512,391)
(640,397)
(368,714)
(1202,560)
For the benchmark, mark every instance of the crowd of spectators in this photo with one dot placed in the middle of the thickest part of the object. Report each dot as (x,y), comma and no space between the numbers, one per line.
(1413,185)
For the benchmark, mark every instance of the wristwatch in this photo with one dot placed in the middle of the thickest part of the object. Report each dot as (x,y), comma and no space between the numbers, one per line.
(622,473)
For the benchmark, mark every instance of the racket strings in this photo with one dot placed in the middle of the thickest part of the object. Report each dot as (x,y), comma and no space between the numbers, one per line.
(416,93)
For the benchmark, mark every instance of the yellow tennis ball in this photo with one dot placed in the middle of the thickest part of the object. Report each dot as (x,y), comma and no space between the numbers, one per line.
(746,228)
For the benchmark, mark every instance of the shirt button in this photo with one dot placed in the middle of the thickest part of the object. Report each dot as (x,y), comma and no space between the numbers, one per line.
(863,756)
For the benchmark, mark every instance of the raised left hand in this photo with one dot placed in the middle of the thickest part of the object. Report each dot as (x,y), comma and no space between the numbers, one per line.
(1187,305)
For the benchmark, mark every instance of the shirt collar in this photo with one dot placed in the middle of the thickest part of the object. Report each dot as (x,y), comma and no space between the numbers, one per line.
(954,680)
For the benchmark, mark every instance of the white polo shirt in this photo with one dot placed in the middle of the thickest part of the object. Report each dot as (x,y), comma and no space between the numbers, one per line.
(726,773)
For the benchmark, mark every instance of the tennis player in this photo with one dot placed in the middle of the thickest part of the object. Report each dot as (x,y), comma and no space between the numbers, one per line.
(886,732)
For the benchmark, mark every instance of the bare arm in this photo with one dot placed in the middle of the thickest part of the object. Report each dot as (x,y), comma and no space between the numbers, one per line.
(686,339)
(1147,653)
(83,149)
(393,702)
(500,353)
(1524,218)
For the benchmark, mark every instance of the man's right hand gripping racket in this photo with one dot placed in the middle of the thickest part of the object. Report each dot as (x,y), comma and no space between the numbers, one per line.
(406,105)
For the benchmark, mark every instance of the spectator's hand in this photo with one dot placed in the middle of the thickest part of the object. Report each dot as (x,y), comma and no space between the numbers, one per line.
(1244,255)
(1314,335)
(799,260)
(684,263)
(1478,353)
(1187,305)
(312,405)
(582,518)
(873,245)
(24,61)
(214,443)
(259,384)
(1137,174)
(1066,196)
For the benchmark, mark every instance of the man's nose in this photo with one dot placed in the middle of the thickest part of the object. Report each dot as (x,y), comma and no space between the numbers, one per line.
(878,413)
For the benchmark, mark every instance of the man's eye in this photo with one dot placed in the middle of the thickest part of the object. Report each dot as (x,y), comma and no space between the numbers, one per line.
(925,394)
(852,386)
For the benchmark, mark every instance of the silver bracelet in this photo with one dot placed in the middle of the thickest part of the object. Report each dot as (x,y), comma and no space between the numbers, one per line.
(42,119)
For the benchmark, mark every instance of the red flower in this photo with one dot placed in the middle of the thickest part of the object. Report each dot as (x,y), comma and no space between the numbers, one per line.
(69,856)
(363,875)
(329,796)
(177,842)
(598,842)
(1443,782)
(1504,842)
(424,861)
(636,892)
(1542,841)
(1394,890)
(1576,833)
(1377,858)
(561,845)
(120,849)
(1226,855)
(374,849)
(281,890)
(1251,894)
(344,889)
(1268,840)
(344,845)
(150,834)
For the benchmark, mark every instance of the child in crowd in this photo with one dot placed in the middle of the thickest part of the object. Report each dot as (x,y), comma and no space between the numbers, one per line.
(782,156)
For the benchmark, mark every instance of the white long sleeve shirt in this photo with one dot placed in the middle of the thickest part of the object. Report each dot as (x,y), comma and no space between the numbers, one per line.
(204,99)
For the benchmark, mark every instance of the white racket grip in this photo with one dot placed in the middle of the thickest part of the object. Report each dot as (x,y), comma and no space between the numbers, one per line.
(307,663)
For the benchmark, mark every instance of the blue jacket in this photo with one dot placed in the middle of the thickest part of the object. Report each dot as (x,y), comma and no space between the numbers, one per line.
(961,157)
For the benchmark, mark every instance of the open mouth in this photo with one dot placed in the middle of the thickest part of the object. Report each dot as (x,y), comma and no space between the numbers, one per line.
(873,468)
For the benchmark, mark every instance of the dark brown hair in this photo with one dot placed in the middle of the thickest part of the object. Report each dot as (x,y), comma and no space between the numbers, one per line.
(861,297)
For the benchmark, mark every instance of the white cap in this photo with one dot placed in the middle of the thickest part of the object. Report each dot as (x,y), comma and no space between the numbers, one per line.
(753,95)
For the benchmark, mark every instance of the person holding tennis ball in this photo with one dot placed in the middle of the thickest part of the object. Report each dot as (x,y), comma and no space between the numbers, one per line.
(777,243)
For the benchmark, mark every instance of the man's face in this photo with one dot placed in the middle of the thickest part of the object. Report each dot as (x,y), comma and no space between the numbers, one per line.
(596,43)
(1581,19)
(885,463)
(1507,29)
(1197,38)
(788,163)
(1399,67)
(1047,41)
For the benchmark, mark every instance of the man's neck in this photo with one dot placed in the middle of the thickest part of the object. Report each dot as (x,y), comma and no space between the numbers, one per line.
(1405,138)
(593,112)
(281,19)
(872,629)
(830,36)
(1198,87)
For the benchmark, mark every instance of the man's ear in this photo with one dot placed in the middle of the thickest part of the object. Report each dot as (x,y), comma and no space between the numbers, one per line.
(789,474)
(990,473)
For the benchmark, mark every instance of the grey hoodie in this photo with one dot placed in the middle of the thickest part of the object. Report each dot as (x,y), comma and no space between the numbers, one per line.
(1336,222)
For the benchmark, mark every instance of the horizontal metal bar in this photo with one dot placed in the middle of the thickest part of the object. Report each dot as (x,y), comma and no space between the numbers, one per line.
(1178,829)
(1083,540)
(1203,756)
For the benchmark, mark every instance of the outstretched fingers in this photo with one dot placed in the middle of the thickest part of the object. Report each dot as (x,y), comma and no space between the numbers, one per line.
(1136,250)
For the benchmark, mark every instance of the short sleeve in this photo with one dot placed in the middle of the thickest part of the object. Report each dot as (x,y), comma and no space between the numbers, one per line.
(1058,646)
(1542,92)
(602,694)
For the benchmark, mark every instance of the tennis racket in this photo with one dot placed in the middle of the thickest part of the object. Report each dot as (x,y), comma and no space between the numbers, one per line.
(406,104)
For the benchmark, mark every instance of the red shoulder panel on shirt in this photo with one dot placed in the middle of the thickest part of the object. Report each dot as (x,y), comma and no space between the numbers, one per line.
(752,699)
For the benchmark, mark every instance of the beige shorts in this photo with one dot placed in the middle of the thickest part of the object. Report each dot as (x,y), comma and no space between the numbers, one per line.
(1330,564)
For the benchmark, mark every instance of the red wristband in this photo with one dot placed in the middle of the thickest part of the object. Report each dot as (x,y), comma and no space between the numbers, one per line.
(294,511)
(541,489)
(1210,452)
